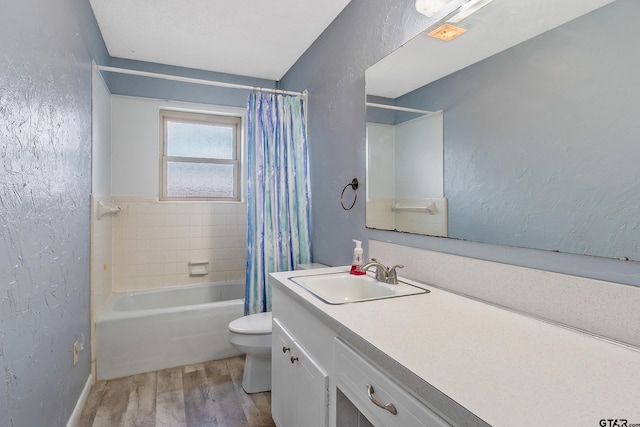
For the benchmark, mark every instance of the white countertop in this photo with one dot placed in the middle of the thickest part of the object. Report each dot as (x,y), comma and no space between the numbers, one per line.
(506,368)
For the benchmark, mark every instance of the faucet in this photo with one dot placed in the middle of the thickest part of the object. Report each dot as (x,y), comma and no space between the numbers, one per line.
(381,271)
(392,277)
(383,274)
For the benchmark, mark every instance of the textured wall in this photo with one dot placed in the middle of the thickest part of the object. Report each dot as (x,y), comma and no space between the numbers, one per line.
(333,70)
(45,131)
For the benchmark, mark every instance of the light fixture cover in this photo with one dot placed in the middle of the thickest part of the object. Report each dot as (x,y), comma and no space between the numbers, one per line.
(447,32)
(430,7)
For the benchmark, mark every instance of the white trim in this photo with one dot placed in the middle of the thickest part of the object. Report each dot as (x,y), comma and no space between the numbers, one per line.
(213,119)
(77,411)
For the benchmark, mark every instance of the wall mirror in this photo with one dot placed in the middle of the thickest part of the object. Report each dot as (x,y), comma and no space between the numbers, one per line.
(405,190)
(538,116)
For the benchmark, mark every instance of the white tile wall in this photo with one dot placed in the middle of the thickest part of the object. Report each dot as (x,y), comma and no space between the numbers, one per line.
(154,242)
(379,213)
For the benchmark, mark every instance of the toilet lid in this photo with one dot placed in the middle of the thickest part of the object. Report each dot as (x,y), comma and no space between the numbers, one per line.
(259,323)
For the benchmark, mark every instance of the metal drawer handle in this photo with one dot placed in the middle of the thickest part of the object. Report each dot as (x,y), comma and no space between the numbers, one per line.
(285,349)
(389,406)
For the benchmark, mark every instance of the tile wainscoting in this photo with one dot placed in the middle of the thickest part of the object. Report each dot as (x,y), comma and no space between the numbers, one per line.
(154,242)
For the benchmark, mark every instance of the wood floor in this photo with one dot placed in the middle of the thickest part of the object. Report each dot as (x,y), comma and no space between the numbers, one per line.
(200,395)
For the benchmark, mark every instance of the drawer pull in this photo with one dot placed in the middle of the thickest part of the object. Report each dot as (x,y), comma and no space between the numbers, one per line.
(285,349)
(389,406)
(293,359)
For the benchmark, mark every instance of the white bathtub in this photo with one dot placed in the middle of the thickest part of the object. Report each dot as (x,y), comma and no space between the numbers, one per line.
(150,330)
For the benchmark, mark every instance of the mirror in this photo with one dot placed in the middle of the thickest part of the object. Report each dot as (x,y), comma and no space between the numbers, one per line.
(540,141)
(405,190)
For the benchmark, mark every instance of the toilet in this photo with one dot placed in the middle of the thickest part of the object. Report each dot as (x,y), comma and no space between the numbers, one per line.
(252,335)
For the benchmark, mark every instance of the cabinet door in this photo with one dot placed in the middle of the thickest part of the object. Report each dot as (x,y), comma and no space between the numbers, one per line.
(281,380)
(299,386)
(312,390)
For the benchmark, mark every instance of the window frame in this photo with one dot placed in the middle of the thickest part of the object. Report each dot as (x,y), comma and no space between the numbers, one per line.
(201,118)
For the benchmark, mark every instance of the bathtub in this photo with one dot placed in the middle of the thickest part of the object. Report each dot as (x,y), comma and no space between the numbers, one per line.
(146,331)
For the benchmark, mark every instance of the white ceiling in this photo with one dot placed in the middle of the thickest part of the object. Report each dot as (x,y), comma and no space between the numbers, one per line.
(256,38)
(264,38)
(494,28)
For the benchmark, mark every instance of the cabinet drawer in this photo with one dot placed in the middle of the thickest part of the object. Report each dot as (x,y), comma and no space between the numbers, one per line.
(354,373)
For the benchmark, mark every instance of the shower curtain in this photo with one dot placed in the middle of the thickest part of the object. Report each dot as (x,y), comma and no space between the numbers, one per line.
(278,237)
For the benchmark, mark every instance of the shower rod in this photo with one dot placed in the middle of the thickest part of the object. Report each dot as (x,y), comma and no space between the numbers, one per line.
(196,81)
(393,107)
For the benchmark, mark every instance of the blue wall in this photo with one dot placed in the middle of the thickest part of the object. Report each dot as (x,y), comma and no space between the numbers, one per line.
(45,183)
(333,70)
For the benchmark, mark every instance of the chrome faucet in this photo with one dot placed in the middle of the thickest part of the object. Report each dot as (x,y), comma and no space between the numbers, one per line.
(381,271)
(383,274)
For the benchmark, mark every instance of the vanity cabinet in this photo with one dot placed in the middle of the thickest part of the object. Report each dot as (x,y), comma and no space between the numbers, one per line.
(299,386)
(453,370)
(313,370)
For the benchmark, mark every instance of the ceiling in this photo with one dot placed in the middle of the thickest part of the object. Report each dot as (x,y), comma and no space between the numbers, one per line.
(256,38)
(496,27)
(264,38)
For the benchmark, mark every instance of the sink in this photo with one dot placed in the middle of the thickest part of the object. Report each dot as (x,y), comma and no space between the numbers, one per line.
(343,288)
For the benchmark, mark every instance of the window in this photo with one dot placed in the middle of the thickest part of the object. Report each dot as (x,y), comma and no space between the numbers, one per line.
(200,156)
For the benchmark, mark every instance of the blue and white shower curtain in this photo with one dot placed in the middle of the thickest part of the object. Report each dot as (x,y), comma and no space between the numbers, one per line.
(278,237)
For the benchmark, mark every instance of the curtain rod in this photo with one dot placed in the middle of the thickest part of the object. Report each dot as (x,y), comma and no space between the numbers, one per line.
(196,81)
(393,107)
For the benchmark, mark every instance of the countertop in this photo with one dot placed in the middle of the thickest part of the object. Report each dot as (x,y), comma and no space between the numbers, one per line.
(503,367)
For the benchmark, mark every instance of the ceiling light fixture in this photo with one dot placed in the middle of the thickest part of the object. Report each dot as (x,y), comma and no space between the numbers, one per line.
(430,7)
(467,9)
(447,32)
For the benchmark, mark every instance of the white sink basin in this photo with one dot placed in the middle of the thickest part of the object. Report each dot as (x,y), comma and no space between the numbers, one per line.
(342,288)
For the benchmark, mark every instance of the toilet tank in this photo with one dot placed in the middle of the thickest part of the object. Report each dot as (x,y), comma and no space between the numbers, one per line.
(311,266)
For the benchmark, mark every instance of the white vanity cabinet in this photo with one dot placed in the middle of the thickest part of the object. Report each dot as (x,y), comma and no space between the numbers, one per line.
(451,371)
(310,362)
(299,386)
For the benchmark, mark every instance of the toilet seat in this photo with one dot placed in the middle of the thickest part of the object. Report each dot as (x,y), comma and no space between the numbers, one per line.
(253,324)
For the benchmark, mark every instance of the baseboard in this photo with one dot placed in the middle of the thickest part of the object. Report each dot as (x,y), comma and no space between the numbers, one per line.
(77,411)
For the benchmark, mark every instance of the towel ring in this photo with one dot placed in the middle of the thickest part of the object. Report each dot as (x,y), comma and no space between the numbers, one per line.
(354,185)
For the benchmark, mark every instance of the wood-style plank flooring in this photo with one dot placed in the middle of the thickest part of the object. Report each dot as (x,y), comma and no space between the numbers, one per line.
(201,395)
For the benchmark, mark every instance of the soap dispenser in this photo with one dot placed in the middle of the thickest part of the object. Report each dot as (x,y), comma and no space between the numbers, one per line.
(356,264)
